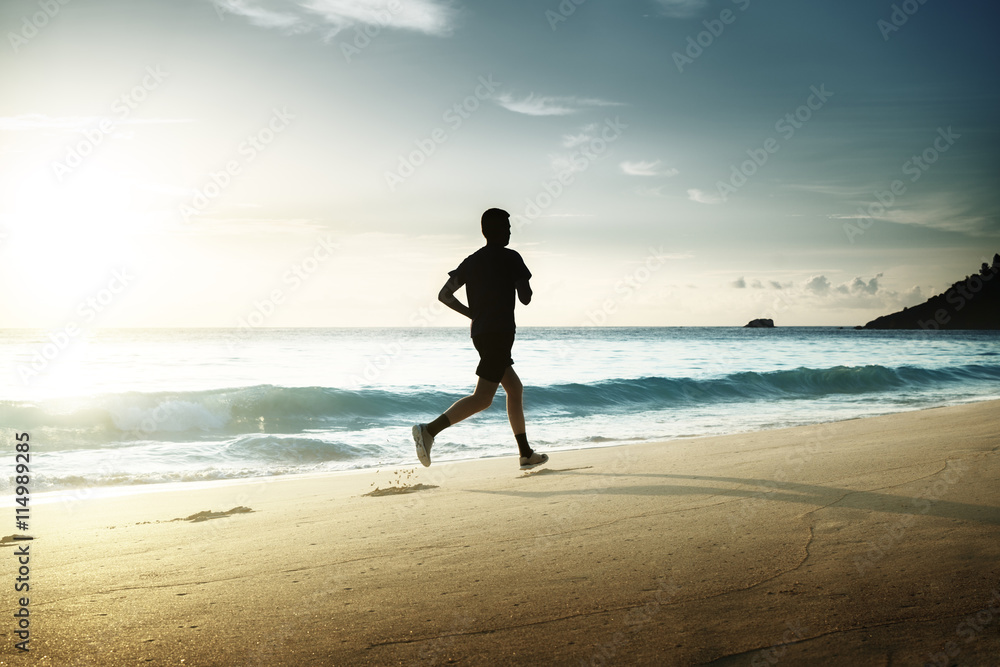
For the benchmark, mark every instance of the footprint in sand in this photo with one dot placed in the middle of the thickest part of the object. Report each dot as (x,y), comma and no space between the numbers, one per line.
(9,540)
(549,471)
(209,514)
(396,490)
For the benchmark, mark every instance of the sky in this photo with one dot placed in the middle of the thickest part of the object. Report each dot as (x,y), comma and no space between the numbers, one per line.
(275,163)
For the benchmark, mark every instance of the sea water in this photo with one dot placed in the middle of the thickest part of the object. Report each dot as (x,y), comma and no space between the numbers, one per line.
(141,407)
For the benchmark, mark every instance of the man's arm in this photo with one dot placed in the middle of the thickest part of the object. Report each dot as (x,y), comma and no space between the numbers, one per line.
(523,291)
(447,297)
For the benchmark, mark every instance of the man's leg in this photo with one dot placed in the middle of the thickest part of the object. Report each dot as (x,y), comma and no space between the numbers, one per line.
(480,399)
(515,400)
(515,415)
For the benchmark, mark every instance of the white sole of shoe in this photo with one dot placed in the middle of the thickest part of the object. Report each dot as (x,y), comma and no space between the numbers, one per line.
(418,439)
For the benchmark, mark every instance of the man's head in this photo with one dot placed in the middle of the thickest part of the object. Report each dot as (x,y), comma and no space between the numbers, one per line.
(496,226)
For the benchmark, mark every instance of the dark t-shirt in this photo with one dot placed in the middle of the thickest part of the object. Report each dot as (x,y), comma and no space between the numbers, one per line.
(489,275)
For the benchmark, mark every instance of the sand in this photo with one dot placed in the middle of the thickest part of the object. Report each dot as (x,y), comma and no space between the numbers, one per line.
(872,541)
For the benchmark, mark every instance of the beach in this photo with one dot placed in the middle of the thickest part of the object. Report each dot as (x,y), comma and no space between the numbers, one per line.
(864,541)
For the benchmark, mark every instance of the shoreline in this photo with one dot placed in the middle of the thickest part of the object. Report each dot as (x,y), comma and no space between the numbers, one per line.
(847,542)
(125,490)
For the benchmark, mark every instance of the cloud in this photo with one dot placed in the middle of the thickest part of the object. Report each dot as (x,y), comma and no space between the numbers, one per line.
(574,140)
(912,296)
(648,191)
(262,17)
(818,284)
(431,17)
(681,9)
(547,105)
(860,286)
(646,168)
(702,197)
(862,293)
(641,167)
(576,160)
(743,283)
(819,292)
(565,164)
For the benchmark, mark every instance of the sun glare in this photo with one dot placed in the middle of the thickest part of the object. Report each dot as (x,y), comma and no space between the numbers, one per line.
(72,231)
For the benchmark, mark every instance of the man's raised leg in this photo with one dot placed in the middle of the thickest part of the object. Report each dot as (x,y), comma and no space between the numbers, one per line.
(480,399)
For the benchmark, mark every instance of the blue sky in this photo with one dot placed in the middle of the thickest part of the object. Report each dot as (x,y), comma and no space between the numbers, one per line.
(325,162)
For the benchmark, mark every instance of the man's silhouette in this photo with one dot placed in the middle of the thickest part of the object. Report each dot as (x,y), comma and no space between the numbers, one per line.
(491,275)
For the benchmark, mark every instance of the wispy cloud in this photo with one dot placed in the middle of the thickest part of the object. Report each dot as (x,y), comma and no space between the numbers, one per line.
(547,105)
(37,121)
(574,140)
(942,211)
(681,9)
(702,197)
(646,168)
(431,17)
(578,158)
(261,16)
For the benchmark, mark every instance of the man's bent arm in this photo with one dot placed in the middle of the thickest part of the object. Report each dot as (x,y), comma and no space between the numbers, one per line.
(523,291)
(447,297)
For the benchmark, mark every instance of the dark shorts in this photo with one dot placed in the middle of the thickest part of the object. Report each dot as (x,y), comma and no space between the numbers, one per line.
(494,354)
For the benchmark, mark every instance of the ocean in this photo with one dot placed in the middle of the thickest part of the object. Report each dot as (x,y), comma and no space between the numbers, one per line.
(124,408)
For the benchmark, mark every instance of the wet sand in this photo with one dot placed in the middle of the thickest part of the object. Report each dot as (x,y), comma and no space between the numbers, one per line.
(870,541)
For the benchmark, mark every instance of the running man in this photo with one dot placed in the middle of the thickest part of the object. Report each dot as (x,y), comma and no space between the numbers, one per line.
(491,276)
